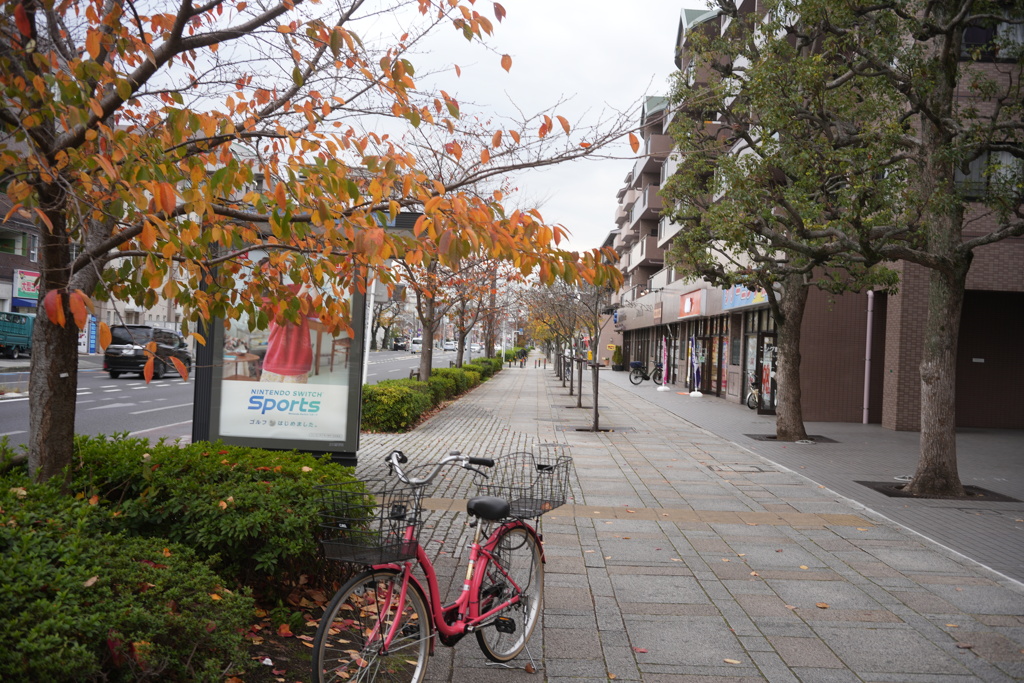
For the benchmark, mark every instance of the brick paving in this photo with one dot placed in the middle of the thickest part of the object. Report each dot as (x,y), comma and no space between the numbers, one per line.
(692,553)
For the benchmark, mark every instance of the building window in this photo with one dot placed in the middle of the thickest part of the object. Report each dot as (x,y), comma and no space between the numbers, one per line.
(990,173)
(33,248)
(989,41)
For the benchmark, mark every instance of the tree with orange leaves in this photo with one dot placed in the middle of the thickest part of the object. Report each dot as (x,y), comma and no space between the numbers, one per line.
(146,143)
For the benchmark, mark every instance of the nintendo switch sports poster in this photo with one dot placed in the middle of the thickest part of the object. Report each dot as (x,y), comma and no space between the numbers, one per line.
(293,385)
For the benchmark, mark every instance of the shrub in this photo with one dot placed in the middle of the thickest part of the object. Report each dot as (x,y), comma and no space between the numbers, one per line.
(457,374)
(249,513)
(82,604)
(442,387)
(390,407)
(473,376)
(485,369)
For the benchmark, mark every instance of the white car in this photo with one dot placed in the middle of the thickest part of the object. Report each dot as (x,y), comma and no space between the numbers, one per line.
(450,345)
(416,345)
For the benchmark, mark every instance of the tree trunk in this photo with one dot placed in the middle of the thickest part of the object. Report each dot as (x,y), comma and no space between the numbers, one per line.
(53,380)
(579,394)
(427,347)
(789,417)
(937,473)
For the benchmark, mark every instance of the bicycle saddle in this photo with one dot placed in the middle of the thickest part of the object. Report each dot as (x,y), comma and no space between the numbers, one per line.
(490,508)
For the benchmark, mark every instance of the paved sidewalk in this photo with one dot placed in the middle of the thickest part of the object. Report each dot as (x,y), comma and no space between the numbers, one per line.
(687,556)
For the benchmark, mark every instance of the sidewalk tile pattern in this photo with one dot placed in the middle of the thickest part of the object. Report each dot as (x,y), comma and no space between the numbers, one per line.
(690,554)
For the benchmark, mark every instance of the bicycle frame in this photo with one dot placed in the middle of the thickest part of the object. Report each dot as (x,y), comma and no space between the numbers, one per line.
(462,616)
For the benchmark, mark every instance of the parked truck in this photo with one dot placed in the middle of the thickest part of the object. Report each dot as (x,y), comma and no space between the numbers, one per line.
(16,333)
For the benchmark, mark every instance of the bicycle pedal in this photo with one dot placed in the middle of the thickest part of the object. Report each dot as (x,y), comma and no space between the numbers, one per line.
(504,625)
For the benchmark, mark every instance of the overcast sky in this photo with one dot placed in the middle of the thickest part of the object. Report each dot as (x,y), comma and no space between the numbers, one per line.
(599,54)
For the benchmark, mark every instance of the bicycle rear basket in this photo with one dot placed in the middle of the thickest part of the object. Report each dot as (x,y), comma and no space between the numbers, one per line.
(532,484)
(635,364)
(375,526)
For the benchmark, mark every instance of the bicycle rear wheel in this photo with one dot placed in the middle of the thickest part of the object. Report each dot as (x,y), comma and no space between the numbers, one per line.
(348,643)
(752,400)
(636,376)
(518,554)
(656,376)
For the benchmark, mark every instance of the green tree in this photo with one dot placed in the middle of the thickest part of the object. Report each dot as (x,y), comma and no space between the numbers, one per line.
(147,143)
(934,111)
(760,187)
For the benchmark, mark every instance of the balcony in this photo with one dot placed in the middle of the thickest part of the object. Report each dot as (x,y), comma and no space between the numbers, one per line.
(666,231)
(656,148)
(647,206)
(646,253)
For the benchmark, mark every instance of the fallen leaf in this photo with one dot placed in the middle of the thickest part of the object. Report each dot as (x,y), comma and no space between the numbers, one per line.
(284,631)
(589,551)
(952,626)
(612,677)
(641,650)
(307,468)
(724,560)
(964,646)
(731,661)
(89,582)
(279,672)
(754,574)
(742,555)
(214,596)
(94,500)
(751,524)
(167,552)
(803,566)
(631,511)
(529,668)
(821,605)
(676,559)
(790,607)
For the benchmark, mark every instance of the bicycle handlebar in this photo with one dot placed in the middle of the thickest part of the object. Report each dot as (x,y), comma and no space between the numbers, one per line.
(396,458)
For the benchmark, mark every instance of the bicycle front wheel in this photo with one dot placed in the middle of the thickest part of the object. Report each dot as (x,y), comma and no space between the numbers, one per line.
(516,563)
(636,376)
(349,643)
(751,400)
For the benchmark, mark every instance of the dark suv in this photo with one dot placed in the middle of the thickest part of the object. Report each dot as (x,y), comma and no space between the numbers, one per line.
(126,352)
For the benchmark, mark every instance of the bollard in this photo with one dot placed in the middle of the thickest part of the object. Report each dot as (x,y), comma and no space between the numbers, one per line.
(545,363)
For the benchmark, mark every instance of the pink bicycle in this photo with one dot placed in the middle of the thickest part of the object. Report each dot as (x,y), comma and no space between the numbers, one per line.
(381,625)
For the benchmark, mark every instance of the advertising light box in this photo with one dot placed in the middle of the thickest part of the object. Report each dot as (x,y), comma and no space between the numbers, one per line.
(292,386)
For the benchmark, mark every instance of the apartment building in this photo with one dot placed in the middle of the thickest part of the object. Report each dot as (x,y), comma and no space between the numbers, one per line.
(860,352)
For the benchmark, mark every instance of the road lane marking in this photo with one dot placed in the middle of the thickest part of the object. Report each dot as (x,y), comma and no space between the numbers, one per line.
(153,429)
(153,410)
(20,431)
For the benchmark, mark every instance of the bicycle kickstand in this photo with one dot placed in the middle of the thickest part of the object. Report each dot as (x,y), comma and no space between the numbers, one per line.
(504,665)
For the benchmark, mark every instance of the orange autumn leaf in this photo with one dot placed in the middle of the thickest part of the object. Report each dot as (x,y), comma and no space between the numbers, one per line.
(180,367)
(285,631)
(147,370)
(78,310)
(506,62)
(634,143)
(496,139)
(53,303)
(104,335)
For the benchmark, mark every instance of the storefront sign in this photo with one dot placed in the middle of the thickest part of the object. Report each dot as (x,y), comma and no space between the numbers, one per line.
(689,304)
(739,296)
(26,288)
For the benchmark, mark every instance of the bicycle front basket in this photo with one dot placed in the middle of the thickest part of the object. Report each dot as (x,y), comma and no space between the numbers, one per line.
(532,484)
(375,526)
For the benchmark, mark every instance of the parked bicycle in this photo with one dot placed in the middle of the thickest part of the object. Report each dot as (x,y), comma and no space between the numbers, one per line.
(382,623)
(753,392)
(638,372)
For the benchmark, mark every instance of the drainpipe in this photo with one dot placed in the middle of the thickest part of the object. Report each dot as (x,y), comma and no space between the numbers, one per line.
(867,355)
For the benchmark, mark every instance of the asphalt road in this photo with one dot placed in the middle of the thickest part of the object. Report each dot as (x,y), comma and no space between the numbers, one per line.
(162,408)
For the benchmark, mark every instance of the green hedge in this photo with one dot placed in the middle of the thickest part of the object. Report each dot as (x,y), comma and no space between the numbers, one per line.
(395,405)
(249,513)
(84,604)
(389,407)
